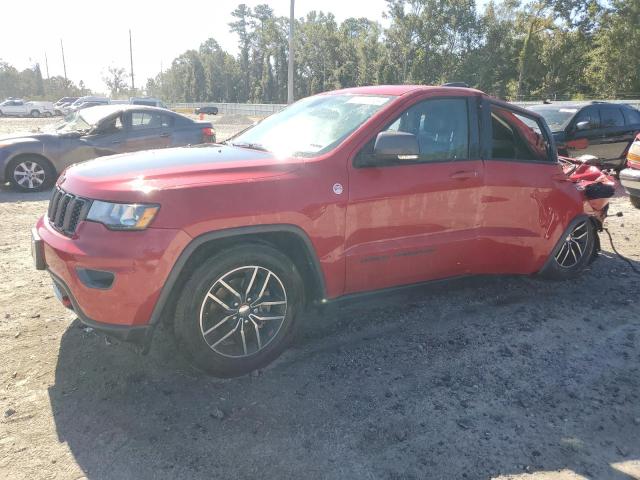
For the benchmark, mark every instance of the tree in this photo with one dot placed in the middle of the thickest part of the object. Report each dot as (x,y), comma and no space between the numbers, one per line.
(116,81)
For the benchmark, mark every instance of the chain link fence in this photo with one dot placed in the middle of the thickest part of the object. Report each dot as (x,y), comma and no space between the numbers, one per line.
(247,109)
(264,109)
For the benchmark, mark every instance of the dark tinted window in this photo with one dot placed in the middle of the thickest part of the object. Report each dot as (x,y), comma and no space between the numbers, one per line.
(588,114)
(441,127)
(631,116)
(517,137)
(141,120)
(611,117)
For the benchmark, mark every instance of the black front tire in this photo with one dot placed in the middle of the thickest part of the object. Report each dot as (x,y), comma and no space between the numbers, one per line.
(635,201)
(187,323)
(42,164)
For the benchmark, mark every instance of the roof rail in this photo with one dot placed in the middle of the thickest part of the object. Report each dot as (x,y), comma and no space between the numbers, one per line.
(456,84)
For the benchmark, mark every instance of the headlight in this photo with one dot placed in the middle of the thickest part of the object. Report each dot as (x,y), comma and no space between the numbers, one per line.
(122,216)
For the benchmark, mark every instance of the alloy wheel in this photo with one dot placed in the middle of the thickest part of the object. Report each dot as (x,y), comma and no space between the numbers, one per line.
(574,246)
(243,311)
(29,175)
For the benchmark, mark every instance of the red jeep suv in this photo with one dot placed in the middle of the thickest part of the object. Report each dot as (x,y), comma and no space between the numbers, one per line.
(340,193)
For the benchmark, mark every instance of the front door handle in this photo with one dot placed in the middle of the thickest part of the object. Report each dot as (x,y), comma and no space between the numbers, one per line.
(165,134)
(116,142)
(464,174)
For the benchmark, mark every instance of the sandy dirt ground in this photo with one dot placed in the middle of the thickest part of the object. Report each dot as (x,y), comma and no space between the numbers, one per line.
(509,378)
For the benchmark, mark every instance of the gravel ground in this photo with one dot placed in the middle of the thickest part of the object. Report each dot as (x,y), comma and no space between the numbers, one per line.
(510,378)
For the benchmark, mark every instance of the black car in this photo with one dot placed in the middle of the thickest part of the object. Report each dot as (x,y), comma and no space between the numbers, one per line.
(604,130)
(206,110)
(34,161)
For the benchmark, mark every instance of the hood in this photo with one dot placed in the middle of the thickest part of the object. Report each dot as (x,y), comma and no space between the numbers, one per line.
(25,137)
(123,176)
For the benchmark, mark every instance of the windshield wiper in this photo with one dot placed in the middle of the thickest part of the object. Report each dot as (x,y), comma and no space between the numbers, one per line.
(252,146)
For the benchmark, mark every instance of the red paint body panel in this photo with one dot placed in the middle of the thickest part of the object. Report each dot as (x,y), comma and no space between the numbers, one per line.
(411,223)
(390,226)
(141,262)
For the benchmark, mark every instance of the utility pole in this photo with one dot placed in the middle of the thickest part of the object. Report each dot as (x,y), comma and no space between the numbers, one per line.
(46,64)
(290,72)
(64,65)
(133,85)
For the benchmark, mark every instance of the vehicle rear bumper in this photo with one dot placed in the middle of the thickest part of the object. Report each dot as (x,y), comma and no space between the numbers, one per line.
(630,180)
(135,265)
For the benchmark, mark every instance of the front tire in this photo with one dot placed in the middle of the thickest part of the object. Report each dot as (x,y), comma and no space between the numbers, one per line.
(573,253)
(35,113)
(635,201)
(30,173)
(238,311)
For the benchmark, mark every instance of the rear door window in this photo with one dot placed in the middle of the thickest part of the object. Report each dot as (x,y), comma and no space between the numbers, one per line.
(611,117)
(148,120)
(515,136)
(631,116)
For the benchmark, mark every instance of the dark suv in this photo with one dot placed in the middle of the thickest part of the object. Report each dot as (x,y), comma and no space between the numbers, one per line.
(604,130)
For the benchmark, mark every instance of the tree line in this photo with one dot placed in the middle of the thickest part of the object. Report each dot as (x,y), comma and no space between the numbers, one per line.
(514,49)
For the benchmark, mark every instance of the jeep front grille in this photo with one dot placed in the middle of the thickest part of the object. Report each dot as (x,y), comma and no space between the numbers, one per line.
(66,211)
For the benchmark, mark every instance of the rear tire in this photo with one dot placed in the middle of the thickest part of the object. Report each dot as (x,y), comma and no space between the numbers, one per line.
(574,252)
(635,201)
(238,311)
(31,173)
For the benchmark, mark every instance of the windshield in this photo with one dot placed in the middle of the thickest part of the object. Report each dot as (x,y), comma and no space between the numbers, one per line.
(556,117)
(311,126)
(75,122)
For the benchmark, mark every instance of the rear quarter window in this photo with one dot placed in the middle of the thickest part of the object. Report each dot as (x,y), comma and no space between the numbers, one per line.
(631,116)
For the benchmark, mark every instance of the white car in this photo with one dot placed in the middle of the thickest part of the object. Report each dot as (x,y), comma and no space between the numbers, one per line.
(20,108)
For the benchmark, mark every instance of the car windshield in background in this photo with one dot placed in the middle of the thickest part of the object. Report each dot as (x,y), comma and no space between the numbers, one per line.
(311,126)
(556,117)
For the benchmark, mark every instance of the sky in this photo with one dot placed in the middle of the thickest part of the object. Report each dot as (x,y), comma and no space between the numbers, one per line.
(96,34)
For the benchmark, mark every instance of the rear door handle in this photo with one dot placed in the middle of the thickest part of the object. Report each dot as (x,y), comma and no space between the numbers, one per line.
(464,174)
(165,134)
(116,142)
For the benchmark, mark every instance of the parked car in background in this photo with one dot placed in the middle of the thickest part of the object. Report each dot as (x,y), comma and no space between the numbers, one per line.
(61,104)
(83,105)
(341,193)
(21,108)
(603,130)
(85,102)
(65,101)
(630,176)
(210,110)
(149,101)
(33,162)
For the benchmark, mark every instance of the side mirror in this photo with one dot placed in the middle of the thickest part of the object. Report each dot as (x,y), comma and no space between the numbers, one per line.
(396,146)
(584,125)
